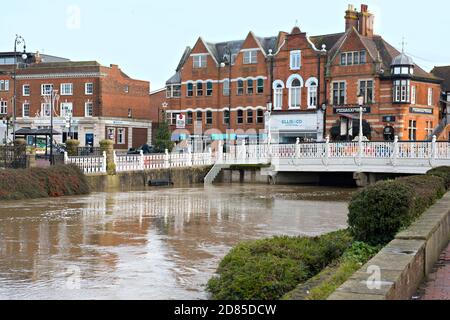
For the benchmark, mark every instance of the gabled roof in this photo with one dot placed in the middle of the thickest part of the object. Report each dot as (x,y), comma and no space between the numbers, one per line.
(443,73)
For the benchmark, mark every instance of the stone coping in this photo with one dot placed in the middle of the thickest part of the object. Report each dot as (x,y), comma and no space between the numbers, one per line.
(397,270)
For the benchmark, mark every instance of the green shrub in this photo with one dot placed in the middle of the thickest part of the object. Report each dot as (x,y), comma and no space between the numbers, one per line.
(428,189)
(378,212)
(268,269)
(71,147)
(40,183)
(442,172)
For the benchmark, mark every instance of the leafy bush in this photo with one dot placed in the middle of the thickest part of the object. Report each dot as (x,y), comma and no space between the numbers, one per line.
(40,183)
(378,212)
(321,286)
(71,147)
(427,189)
(442,172)
(268,269)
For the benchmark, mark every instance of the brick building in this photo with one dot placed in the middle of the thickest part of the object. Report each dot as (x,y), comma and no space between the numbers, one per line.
(95,102)
(444,74)
(307,82)
(158,103)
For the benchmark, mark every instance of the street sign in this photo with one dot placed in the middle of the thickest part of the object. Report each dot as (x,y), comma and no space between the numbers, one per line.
(181,121)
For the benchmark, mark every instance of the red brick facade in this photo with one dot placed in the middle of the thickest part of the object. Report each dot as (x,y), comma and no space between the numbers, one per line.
(100,97)
(370,72)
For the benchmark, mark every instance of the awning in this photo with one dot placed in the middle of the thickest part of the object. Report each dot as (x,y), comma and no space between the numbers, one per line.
(36,132)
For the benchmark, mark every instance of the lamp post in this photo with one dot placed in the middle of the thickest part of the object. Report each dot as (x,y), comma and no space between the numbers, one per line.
(268,123)
(51,98)
(228,62)
(322,53)
(18,41)
(361,129)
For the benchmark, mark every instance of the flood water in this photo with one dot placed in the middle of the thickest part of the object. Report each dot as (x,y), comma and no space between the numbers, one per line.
(148,244)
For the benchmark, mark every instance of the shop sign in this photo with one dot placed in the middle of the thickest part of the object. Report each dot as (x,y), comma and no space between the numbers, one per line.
(339,110)
(421,110)
(181,121)
(304,122)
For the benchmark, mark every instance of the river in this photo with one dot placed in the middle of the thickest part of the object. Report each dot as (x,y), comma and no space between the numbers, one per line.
(148,244)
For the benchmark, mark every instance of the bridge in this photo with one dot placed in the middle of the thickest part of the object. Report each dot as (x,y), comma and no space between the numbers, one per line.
(395,157)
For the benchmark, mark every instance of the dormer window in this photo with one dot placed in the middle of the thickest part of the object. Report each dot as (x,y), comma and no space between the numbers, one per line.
(353,58)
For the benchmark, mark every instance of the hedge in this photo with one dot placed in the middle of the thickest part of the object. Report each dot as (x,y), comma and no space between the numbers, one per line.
(36,183)
(270,268)
(441,172)
(379,212)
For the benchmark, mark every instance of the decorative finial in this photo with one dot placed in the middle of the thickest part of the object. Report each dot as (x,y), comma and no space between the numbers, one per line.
(404,43)
(296,22)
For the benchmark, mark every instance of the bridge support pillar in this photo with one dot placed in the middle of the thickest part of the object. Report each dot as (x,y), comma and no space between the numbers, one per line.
(365,179)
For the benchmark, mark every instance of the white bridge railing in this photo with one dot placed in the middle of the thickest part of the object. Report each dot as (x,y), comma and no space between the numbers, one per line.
(411,157)
(141,162)
(89,165)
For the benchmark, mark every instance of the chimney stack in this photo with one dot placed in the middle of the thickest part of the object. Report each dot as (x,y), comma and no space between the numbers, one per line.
(362,21)
(351,18)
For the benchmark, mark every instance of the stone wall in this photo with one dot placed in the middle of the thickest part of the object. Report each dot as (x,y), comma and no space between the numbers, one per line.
(402,265)
(180,177)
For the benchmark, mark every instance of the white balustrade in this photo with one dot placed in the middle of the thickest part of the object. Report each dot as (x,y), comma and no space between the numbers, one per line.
(89,165)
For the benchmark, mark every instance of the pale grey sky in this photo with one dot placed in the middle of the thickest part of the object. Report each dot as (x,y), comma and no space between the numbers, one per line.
(147,38)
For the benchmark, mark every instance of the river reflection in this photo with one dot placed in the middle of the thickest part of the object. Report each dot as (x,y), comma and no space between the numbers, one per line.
(151,244)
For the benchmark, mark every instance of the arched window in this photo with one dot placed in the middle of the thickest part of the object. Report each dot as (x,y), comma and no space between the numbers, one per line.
(209,88)
(312,84)
(199,89)
(240,87)
(295,94)
(278,87)
(190,89)
(295,84)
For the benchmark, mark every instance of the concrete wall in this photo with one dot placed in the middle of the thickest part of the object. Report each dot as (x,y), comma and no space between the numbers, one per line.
(251,176)
(401,266)
(181,177)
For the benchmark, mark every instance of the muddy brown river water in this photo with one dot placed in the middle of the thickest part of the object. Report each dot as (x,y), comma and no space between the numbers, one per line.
(148,244)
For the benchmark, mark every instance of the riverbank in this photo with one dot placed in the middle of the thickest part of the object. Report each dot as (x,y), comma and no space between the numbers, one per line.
(34,183)
(377,214)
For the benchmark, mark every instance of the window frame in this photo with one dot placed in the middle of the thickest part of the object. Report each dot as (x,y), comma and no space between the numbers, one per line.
(226,89)
(199,89)
(250,117)
(44,86)
(189,118)
(209,88)
(44,108)
(363,85)
(250,87)
(86,113)
(63,106)
(240,117)
(121,136)
(260,86)
(209,117)
(240,87)
(190,89)
(3,107)
(86,86)
(341,93)
(430,97)
(23,109)
(295,60)
(24,91)
(260,116)
(250,56)
(64,89)
(200,61)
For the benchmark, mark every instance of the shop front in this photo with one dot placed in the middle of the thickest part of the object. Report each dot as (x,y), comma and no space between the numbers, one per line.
(286,128)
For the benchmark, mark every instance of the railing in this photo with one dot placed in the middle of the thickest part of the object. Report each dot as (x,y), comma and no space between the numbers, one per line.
(141,162)
(89,165)
(89,151)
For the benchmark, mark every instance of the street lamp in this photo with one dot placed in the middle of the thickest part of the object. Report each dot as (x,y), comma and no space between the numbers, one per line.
(228,62)
(268,123)
(18,41)
(361,134)
(51,98)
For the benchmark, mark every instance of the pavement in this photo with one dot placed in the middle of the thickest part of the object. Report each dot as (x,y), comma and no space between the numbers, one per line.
(437,286)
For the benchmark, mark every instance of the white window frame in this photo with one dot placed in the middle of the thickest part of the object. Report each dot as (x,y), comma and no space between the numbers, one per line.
(200,61)
(295,93)
(66,109)
(226,88)
(365,93)
(111,132)
(278,89)
(46,89)
(23,90)
(250,56)
(312,92)
(296,60)
(339,82)
(3,107)
(66,89)
(89,106)
(4,85)
(46,110)
(86,86)
(413,94)
(23,110)
(430,97)
(121,135)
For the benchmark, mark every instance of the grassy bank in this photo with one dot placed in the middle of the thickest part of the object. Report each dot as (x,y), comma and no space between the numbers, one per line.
(313,268)
(36,183)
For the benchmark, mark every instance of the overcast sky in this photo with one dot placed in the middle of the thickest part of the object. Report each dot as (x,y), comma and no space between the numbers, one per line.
(147,38)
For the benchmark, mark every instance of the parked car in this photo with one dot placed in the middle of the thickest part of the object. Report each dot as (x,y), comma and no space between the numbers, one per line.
(146,149)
